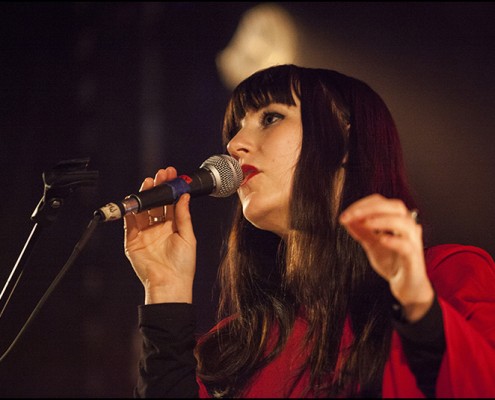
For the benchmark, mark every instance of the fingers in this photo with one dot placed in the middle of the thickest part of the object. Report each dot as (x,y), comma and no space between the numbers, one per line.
(176,218)
(133,223)
(159,214)
(392,239)
(142,218)
(378,226)
(168,212)
(374,204)
(376,218)
(183,219)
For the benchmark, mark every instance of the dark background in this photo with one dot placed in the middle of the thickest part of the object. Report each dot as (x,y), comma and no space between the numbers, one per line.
(134,87)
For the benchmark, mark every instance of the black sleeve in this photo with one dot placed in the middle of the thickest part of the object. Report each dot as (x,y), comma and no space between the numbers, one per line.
(167,367)
(424,345)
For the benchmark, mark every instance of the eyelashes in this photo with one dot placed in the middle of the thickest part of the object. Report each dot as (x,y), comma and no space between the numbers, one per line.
(268,118)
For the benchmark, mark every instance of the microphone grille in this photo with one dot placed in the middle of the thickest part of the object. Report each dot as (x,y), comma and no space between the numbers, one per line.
(227,173)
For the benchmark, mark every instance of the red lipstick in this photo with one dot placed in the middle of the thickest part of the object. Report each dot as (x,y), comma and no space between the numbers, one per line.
(248,171)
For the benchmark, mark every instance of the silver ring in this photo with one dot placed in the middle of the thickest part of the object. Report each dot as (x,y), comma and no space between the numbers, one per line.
(152,219)
(414,214)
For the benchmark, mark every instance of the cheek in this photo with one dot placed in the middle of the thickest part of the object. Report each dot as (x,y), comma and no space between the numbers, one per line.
(288,155)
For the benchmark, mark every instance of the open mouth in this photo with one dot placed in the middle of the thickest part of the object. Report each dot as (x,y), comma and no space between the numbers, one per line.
(248,171)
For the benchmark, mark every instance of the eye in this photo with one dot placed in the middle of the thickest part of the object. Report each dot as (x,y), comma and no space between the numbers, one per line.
(269,117)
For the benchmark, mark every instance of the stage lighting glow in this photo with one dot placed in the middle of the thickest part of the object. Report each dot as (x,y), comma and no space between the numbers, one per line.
(266,35)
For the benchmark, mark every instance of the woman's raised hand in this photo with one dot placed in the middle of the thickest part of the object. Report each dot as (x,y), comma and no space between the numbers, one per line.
(393,242)
(161,246)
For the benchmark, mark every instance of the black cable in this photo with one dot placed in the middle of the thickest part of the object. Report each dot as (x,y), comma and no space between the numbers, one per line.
(70,261)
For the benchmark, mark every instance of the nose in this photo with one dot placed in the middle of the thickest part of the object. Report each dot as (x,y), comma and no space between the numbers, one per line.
(239,145)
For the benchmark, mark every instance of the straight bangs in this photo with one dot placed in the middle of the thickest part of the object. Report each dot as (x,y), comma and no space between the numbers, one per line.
(258,91)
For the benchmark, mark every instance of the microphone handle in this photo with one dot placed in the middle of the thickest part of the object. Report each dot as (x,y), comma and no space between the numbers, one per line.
(160,195)
(199,183)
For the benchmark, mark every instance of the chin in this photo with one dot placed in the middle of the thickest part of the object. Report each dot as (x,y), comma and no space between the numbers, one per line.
(265,213)
(261,220)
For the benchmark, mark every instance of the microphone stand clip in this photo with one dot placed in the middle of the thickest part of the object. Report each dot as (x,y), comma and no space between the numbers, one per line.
(59,182)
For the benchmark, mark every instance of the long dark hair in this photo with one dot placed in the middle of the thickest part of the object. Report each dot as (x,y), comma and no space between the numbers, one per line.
(319,272)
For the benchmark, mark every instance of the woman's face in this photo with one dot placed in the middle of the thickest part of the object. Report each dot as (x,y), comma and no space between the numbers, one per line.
(267,146)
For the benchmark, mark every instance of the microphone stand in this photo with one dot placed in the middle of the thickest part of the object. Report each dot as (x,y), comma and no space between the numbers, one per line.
(59,183)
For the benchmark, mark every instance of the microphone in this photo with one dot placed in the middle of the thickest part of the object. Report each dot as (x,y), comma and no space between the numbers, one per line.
(219,176)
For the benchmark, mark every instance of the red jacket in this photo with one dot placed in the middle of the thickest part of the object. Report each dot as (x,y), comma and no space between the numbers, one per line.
(464,280)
